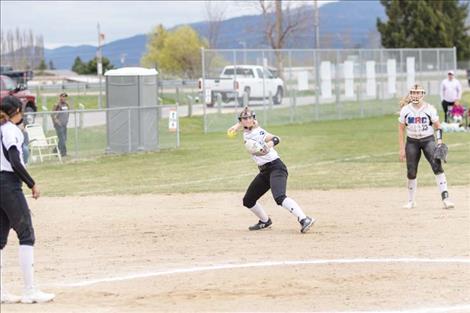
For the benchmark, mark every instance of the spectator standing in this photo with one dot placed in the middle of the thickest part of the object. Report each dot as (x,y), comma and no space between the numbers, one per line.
(451,93)
(60,119)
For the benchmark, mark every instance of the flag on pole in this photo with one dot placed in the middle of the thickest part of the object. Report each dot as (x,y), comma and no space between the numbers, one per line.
(101,38)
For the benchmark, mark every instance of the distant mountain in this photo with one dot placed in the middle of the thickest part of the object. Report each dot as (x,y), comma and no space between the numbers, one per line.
(343,24)
(130,49)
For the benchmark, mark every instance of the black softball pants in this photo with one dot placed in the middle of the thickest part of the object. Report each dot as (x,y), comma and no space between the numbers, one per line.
(413,154)
(272,175)
(445,108)
(14,211)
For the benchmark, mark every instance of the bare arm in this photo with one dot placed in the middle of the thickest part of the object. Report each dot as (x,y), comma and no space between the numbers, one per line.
(235,128)
(270,141)
(401,141)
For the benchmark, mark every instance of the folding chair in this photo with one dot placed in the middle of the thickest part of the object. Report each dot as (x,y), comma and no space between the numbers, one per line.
(40,145)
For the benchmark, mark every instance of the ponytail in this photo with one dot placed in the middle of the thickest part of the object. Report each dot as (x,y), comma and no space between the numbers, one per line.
(3,117)
(404,101)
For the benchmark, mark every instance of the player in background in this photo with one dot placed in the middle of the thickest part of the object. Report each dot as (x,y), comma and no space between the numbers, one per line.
(14,210)
(420,120)
(272,174)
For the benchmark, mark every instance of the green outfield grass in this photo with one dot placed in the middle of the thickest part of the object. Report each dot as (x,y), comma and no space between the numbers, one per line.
(320,155)
(90,102)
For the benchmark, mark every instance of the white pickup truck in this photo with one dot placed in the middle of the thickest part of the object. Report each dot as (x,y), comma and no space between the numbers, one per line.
(235,81)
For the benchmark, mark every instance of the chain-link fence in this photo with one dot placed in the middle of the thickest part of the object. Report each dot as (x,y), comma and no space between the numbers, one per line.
(86,95)
(290,86)
(92,133)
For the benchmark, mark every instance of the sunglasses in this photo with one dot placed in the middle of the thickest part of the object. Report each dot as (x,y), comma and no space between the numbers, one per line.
(247,117)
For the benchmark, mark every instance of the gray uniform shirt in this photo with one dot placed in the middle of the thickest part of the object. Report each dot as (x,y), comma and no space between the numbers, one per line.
(61,118)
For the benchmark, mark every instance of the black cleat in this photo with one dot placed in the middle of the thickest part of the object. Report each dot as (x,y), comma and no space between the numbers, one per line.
(261,225)
(306,224)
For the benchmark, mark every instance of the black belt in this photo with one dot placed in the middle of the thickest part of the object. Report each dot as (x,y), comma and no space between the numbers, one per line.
(427,138)
(265,166)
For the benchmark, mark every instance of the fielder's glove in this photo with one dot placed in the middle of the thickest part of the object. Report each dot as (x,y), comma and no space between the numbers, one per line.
(440,152)
(263,149)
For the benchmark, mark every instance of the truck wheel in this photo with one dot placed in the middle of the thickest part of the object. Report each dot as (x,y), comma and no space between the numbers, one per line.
(29,116)
(278,96)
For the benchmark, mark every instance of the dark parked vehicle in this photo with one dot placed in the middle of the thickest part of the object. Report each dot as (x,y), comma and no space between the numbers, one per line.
(9,87)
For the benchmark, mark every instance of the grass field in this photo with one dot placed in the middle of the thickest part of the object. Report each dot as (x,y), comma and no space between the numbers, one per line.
(322,155)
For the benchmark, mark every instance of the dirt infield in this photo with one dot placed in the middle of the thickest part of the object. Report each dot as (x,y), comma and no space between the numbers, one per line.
(193,253)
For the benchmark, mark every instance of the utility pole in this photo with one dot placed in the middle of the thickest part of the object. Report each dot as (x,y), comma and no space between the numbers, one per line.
(243,43)
(316,23)
(99,65)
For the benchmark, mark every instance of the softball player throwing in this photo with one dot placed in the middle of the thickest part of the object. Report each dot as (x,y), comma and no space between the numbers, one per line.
(14,210)
(420,120)
(272,174)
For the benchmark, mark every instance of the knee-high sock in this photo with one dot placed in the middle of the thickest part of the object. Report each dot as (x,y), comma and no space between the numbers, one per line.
(442,183)
(294,208)
(26,254)
(258,210)
(412,186)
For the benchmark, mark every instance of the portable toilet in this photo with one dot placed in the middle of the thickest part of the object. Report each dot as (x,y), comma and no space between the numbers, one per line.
(132,112)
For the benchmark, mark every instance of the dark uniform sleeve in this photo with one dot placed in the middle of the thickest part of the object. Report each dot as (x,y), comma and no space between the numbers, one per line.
(18,168)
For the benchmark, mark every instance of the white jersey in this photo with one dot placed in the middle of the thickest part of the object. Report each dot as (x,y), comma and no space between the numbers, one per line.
(258,134)
(451,90)
(418,121)
(11,136)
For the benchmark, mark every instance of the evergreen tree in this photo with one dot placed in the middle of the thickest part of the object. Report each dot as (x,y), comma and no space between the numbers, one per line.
(42,66)
(78,66)
(426,24)
(92,66)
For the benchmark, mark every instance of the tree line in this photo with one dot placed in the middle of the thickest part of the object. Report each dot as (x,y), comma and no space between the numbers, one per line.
(21,49)
(409,24)
(90,67)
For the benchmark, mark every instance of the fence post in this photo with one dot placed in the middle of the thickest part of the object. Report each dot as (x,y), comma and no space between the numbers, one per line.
(44,101)
(361,77)
(76,134)
(270,100)
(190,106)
(317,84)
(44,120)
(177,91)
(203,61)
(292,93)
(177,127)
(81,107)
(337,87)
(219,102)
(264,87)
(129,129)
(245,99)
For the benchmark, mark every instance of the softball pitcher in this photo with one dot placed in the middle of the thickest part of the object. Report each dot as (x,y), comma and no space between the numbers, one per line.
(420,119)
(272,173)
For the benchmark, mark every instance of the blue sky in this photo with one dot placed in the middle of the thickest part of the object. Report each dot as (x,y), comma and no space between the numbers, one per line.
(75,22)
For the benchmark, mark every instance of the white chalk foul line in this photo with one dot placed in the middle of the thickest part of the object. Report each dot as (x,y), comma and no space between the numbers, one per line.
(215,267)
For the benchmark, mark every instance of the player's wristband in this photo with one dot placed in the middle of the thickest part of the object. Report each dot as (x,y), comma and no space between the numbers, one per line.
(439,134)
(275,140)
